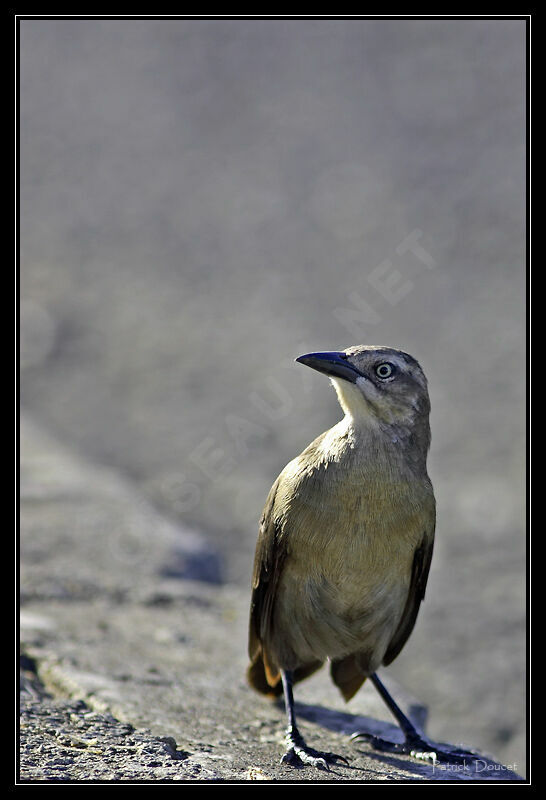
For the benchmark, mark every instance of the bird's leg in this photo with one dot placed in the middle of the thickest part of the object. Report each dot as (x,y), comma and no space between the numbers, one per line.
(297,752)
(415,744)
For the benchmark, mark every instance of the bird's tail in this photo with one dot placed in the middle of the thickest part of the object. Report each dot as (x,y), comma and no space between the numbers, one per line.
(348,675)
(266,683)
(266,680)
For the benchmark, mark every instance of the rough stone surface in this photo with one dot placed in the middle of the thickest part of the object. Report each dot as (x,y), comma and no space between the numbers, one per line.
(128,675)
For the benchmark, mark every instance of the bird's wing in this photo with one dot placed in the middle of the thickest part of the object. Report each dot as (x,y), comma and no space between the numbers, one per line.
(419,577)
(270,556)
(268,562)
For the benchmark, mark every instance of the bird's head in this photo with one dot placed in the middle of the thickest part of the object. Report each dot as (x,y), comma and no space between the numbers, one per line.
(376,384)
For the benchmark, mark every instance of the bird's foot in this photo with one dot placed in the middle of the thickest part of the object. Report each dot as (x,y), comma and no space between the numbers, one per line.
(418,747)
(299,754)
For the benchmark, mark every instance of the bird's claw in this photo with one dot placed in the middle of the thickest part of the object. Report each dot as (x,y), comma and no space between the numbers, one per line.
(418,748)
(299,754)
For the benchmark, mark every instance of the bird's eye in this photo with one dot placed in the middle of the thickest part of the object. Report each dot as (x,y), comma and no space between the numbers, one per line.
(384,371)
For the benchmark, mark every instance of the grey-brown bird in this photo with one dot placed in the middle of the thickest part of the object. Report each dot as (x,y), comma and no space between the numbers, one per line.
(345,543)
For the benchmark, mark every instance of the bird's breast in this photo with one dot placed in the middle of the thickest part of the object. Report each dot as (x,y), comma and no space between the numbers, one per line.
(350,539)
(354,517)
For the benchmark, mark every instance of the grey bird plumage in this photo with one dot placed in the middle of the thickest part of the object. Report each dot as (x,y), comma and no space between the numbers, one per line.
(346,536)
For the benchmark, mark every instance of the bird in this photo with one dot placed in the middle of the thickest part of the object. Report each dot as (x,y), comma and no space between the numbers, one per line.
(345,545)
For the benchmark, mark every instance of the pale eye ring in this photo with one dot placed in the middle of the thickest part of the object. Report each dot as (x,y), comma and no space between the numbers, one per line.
(384,371)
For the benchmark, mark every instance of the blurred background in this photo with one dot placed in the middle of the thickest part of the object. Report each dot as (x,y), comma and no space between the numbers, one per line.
(204,200)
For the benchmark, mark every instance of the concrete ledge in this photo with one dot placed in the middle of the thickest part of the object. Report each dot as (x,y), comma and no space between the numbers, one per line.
(133,676)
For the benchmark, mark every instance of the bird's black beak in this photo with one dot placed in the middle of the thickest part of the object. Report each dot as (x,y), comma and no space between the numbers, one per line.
(331,363)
